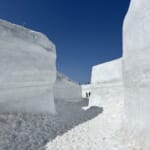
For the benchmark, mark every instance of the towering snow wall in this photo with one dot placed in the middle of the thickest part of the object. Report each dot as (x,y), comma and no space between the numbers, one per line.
(107,92)
(66,89)
(106,82)
(136,67)
(27,70)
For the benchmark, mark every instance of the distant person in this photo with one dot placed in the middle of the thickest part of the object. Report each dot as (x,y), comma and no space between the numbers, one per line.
(89,94)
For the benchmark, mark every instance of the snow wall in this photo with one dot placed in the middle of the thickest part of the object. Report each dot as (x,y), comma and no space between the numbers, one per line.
(86,88)
(107,92)
(27,70)
(66,89)
(136,68)
(106,83)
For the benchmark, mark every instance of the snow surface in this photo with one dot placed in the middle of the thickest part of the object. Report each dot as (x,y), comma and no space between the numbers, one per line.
(67,89)
(107,72)
(104,132)
(99,133)
(28,70)
(29,131)
(136,70)
(106,83)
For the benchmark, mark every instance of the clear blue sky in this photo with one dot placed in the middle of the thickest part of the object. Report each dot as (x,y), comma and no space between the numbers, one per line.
(86,32)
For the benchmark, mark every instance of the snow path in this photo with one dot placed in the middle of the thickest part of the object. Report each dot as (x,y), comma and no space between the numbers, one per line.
(99,133)
(72,129)
(32,131)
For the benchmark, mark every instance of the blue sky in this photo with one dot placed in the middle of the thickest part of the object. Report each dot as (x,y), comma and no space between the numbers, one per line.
(85,32)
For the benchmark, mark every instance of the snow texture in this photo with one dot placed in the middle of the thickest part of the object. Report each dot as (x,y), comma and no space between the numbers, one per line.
(136,68)
(106,92)
(28,70)
(106,83)
(99,133)
(107,72)
(66,89)
(29,131)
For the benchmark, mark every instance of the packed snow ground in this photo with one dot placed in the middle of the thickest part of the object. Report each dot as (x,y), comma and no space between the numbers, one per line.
(73,128)
(33,131)
(102,132)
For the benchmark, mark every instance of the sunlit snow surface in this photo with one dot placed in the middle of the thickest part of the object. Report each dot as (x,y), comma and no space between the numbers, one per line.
(136,70)
(106,83)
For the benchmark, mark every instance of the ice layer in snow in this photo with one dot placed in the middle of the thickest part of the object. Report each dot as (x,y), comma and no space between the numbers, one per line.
(66,89)
(27,70)
(136,68)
